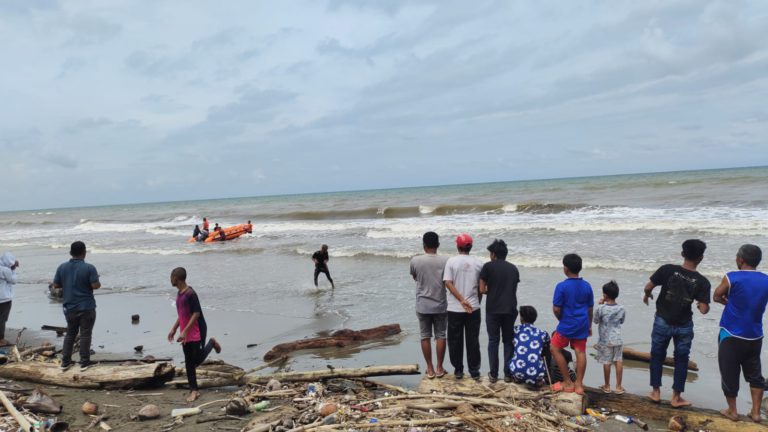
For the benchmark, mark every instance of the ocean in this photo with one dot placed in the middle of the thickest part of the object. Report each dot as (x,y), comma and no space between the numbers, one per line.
(258,288)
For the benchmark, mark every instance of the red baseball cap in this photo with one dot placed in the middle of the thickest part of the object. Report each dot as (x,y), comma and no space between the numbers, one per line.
(463,240)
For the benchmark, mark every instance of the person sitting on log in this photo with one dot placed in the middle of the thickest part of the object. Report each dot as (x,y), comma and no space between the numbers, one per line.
(193,330)
(527,365)
(745,295)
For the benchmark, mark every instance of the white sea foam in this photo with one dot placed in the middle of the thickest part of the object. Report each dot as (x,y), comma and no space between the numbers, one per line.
(423,209)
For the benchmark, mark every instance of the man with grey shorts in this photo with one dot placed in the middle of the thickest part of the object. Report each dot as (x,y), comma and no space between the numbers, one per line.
(431,304)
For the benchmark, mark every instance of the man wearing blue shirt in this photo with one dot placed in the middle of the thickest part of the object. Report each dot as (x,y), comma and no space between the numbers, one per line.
(745,295)
(78,279)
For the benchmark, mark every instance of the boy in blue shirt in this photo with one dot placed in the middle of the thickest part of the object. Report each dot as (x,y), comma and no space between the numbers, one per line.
(572,305)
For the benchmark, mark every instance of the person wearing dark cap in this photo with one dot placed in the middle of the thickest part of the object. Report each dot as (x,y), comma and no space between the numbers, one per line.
(427,270)
(498,280)
(462,276)
(77,279)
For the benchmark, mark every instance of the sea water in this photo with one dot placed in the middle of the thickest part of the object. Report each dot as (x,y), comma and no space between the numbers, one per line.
(259,289)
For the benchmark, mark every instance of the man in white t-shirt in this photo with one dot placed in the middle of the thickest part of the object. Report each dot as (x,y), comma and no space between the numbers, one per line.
(462,278)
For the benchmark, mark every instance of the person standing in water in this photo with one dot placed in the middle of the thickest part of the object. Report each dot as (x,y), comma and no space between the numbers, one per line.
(206,227)
(320,258)
(8,266)
(193,330)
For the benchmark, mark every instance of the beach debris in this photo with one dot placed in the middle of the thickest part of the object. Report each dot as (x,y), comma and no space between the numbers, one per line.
(251,345)
(135,318)
(184,412)
(149,412)
(327,408)
(40,402)
(261,406)
(138,348)
(237,407)
(274,385)
(24,423)
(337,339)
(464,408)
(89,408)
(677,424)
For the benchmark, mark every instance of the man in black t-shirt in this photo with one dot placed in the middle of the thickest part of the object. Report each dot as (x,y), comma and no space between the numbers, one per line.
(681,285)
(320,258)
(498,280)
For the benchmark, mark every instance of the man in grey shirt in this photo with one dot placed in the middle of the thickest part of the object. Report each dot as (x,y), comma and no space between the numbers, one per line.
(431,304)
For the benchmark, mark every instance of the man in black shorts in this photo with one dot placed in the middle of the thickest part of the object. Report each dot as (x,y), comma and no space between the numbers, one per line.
(320,258)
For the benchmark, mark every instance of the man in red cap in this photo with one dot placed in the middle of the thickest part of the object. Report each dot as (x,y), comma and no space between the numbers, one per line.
(462,276)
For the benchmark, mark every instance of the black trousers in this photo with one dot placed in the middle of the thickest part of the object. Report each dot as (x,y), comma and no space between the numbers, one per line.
(736,355)
(324,269)
(5,312)
(501,328)
(81,322)
(464,327)
(194,355)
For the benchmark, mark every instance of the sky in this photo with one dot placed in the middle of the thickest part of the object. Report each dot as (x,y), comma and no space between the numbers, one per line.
(107,102)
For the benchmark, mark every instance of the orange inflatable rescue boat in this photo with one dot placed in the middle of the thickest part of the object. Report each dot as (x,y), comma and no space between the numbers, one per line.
(230,233)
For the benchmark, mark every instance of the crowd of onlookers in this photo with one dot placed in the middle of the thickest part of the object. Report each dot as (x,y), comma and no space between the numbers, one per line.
(449,291)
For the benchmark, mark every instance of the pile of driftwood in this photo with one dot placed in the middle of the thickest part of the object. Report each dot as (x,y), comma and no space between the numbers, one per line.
(364,404)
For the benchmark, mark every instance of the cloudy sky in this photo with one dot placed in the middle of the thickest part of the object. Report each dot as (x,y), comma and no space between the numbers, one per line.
(133,101)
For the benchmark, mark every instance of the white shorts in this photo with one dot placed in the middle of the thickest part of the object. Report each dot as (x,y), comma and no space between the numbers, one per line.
(609,354)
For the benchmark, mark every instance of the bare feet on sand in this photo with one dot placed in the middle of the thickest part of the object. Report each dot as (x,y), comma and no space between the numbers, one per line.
(679,402)
(730,415)
(193,395)
(757,419)
(655,396)
(216,345)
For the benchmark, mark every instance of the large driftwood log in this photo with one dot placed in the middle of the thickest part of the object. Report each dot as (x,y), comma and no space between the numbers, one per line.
(340,338)
(96,377)
(642,408)
(633,354)
(23,422)
(370,371)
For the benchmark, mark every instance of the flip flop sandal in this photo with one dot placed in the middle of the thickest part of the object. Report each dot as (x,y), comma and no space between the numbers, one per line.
(430,376)
(607,389)
(556,387)
(619,392)
(440,375)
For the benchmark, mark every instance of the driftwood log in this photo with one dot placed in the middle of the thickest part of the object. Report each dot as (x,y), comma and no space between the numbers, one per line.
(633,354)
(337,339)
(96,377)
(365,372)
(696,418)
(22,420)
(211,374)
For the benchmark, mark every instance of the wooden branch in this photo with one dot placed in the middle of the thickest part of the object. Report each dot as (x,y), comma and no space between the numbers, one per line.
(266,427)
(36,350)
(337,339)
(23,422)
(633,354)
(269,364)
(388,386)
(336,373)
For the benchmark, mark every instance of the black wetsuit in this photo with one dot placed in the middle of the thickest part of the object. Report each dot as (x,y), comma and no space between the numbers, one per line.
(321,266)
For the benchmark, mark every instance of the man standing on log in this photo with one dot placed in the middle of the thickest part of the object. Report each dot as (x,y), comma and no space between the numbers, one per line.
(681,285)
(427,271)
(193,330)
(320,258)
(498,280)
(462,277)
(745,295)
(77,279)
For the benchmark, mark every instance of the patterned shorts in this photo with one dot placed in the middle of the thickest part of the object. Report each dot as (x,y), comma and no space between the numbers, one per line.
(609,354)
